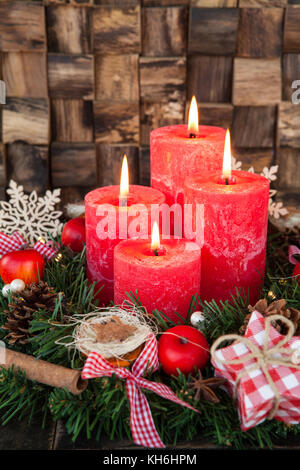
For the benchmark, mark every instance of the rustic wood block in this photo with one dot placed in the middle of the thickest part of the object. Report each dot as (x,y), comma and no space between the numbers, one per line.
(28,165)
(213,114)
(116,122)
(289,125)
(253,126)
(215,3)
(254,157)
(257,82)
(117,77)
(72,120)
(109,160)
(290,73)
(162,77)
(291,37)
(25,74)
(263,3)
(213,30)
(144,166)
(209,78)
(73,164)
(22,27)
(164,31)
(289,177)
(27,120)
(116,3)
(117,29)
(161,3)
(2,172)
(69,29)
(260,32)
(73,195)
(165,112)
(71,76)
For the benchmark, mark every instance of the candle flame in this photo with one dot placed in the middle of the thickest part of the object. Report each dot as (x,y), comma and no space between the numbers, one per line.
(124,184)
(193,122)
(227,157)
(155,241)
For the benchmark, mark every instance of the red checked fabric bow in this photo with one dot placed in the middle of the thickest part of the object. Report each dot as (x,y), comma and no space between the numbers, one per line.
(293,250)
(142,426)
(16,241)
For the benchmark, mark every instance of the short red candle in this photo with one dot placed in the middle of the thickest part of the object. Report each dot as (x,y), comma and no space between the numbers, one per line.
(166,282)
(99,253)
(234,232)
(174,156)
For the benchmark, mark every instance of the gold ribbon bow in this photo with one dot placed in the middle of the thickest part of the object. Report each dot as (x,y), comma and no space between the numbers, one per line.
(265,356)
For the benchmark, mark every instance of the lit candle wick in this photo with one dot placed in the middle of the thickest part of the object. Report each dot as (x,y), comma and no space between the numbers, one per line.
(124,184)
(155,241)
(193,121)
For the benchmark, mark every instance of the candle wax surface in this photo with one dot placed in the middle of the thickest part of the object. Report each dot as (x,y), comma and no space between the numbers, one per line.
(100,253)
(166,282)
(234,233)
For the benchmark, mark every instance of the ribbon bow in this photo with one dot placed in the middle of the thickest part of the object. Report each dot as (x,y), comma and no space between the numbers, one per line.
(142,426)
(16,242)
(293,250)
(277,354)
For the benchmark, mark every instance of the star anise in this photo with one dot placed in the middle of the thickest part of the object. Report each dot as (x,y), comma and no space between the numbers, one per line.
(204,387)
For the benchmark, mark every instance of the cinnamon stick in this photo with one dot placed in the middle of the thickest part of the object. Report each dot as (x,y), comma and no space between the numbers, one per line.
(43,372)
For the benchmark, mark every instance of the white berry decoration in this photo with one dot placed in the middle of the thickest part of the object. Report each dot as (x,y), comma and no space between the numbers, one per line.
(197,318)
(5,290)
(17,285)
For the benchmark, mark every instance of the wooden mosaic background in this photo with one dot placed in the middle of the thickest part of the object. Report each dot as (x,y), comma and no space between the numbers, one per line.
(87,80)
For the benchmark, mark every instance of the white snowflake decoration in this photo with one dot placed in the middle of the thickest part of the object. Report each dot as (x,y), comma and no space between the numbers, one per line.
(276,209)
(30,215)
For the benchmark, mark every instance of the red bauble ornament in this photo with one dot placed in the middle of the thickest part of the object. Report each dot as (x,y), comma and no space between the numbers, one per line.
(182,347)
(296,272)
(27,265)
(73,234)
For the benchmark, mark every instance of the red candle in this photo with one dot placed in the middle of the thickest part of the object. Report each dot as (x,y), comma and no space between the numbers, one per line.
(183,150)
(164,276)
(109,218)
(234,230)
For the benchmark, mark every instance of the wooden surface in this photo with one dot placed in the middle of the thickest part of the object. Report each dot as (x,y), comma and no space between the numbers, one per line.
(84,73)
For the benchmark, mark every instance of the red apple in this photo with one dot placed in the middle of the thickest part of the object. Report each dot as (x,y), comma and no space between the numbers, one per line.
(296,272)
(73,234)
(27,265)
(182,347)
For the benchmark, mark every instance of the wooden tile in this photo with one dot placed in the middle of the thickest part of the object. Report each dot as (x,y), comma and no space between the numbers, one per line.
(28,165)
(116,122)
(117,3)
(165,112)
(72,120)
(73,164)
(215,3)
(144,166)
(117,77)
(3,179)
(164,31)
(291,37)
(213,30)
(290,73)
(263,3)
(162,3)
(260,32)
(253,126)
(73,195)
(25,74)
(117,29)
(257,82)
(289,125)
(209,78)
(69,29)
(289,164)
(109,161)
(22,27)
(213,114)
(255,157)
(162,77)
(71,76)
(27,120)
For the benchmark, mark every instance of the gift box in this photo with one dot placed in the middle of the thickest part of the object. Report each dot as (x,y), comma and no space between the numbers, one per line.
(262,371)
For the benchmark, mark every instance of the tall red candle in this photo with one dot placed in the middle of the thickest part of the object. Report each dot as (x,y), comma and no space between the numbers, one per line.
(104,203)
(166,281)
(234,231)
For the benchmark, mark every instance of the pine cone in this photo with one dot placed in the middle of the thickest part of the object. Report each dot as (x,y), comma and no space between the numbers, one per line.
(275,308)
(20,313)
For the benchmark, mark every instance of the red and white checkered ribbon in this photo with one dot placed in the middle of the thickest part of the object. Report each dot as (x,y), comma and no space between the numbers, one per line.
(293,250)
(142,426)
(16,241)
